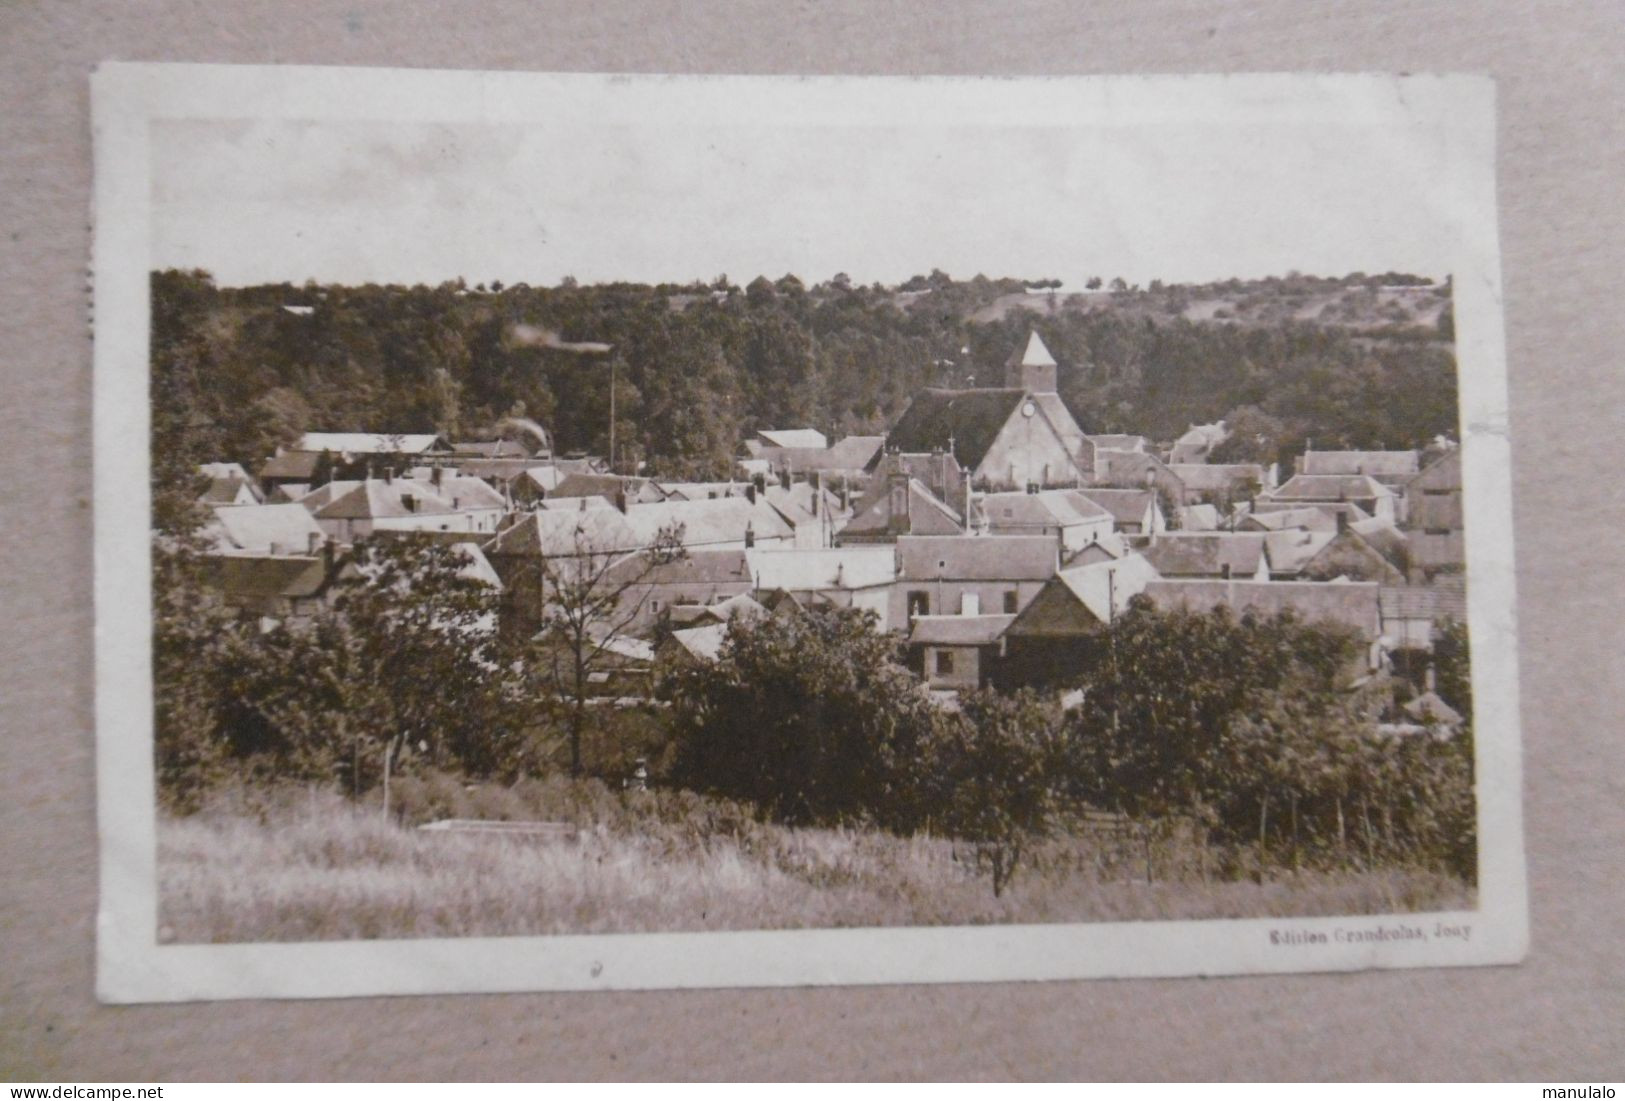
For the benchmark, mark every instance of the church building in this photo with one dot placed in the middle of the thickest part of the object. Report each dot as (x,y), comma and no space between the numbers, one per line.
(1017,436)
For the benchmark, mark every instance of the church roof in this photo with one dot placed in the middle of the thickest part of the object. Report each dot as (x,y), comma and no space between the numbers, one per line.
(1033,355)
(967,420)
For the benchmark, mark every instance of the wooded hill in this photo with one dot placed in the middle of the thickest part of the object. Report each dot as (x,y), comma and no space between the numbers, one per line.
(1362,361)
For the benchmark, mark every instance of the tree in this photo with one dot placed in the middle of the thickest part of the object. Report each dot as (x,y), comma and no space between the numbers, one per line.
(190,635)
(1093,283)
(589,590)
(994,768)
(811,717)
(407,662)
(1166,685)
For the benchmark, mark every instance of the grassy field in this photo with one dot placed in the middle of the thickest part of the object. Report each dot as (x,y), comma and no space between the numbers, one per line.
(322,869)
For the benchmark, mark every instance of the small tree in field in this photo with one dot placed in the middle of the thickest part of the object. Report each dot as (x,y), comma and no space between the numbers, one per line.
(993,770)
(590,589)
(407,657)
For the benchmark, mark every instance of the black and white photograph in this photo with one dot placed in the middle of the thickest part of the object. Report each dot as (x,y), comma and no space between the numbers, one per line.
(613,532)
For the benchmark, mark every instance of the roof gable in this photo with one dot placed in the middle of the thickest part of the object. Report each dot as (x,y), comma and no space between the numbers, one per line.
(978,557)
(1206,554)
(1127,506)
(962,422)
(958,630)
(260,528)
(926,515)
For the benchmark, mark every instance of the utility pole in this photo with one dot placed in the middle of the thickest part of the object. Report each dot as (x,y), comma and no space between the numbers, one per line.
(612,416)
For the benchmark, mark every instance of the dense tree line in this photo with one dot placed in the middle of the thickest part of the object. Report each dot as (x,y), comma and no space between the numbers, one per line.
(235,373)
(1242,729)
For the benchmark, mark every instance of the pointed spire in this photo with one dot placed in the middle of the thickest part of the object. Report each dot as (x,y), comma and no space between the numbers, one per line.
(1031,367)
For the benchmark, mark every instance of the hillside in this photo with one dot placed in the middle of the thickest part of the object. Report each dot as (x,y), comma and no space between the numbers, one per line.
(1359,361)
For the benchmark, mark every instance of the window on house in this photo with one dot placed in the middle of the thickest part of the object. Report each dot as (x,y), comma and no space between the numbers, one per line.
(919,603)
(1010,602)
(945,663)
(1436,531)
(1437,492)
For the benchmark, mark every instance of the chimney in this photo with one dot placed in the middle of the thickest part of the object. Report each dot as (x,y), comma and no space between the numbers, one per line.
(1342,520)
(759,480)
(750,492)
(329,554)
(389,473)
(784,477)
(1224,571)
(620,500)
(434,476)
(750,536)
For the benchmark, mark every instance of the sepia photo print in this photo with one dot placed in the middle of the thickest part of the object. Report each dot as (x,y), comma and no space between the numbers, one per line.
(583,531)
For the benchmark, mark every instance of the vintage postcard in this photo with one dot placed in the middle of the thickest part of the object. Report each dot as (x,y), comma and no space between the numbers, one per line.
(609,532)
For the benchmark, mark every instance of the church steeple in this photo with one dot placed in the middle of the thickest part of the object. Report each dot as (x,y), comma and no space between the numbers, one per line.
(1031,368)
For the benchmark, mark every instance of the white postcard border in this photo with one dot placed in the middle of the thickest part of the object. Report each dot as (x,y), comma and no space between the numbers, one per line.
(132,966)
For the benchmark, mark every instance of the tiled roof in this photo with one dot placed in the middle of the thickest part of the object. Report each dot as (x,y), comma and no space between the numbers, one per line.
(816,570)
(708,522)
(1218,477)
(1127,506)
(229,491)
(958,630)
(585,484)
(246,578)
(704,643)
(848,456)
(968,421)
(1423,602)
(370,443)
(796,503)
(491,449)
(1266,517)
(1198,518)
(1119,441)
(1375,463)
(1103,548)
(376,499)
(927,515)
(1330,487)
(1105,588)
(978,557)
(568,532)
(288,527)
(701,491)
(463,493)
(1289,550)
(1350,602)
(1051,508)
(291,466)
(699,568)
(794,437)
(1206,554)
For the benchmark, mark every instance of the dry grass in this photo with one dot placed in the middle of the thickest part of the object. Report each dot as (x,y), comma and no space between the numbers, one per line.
(328,871)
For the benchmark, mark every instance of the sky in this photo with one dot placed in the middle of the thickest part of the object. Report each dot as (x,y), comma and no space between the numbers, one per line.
(391,201)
